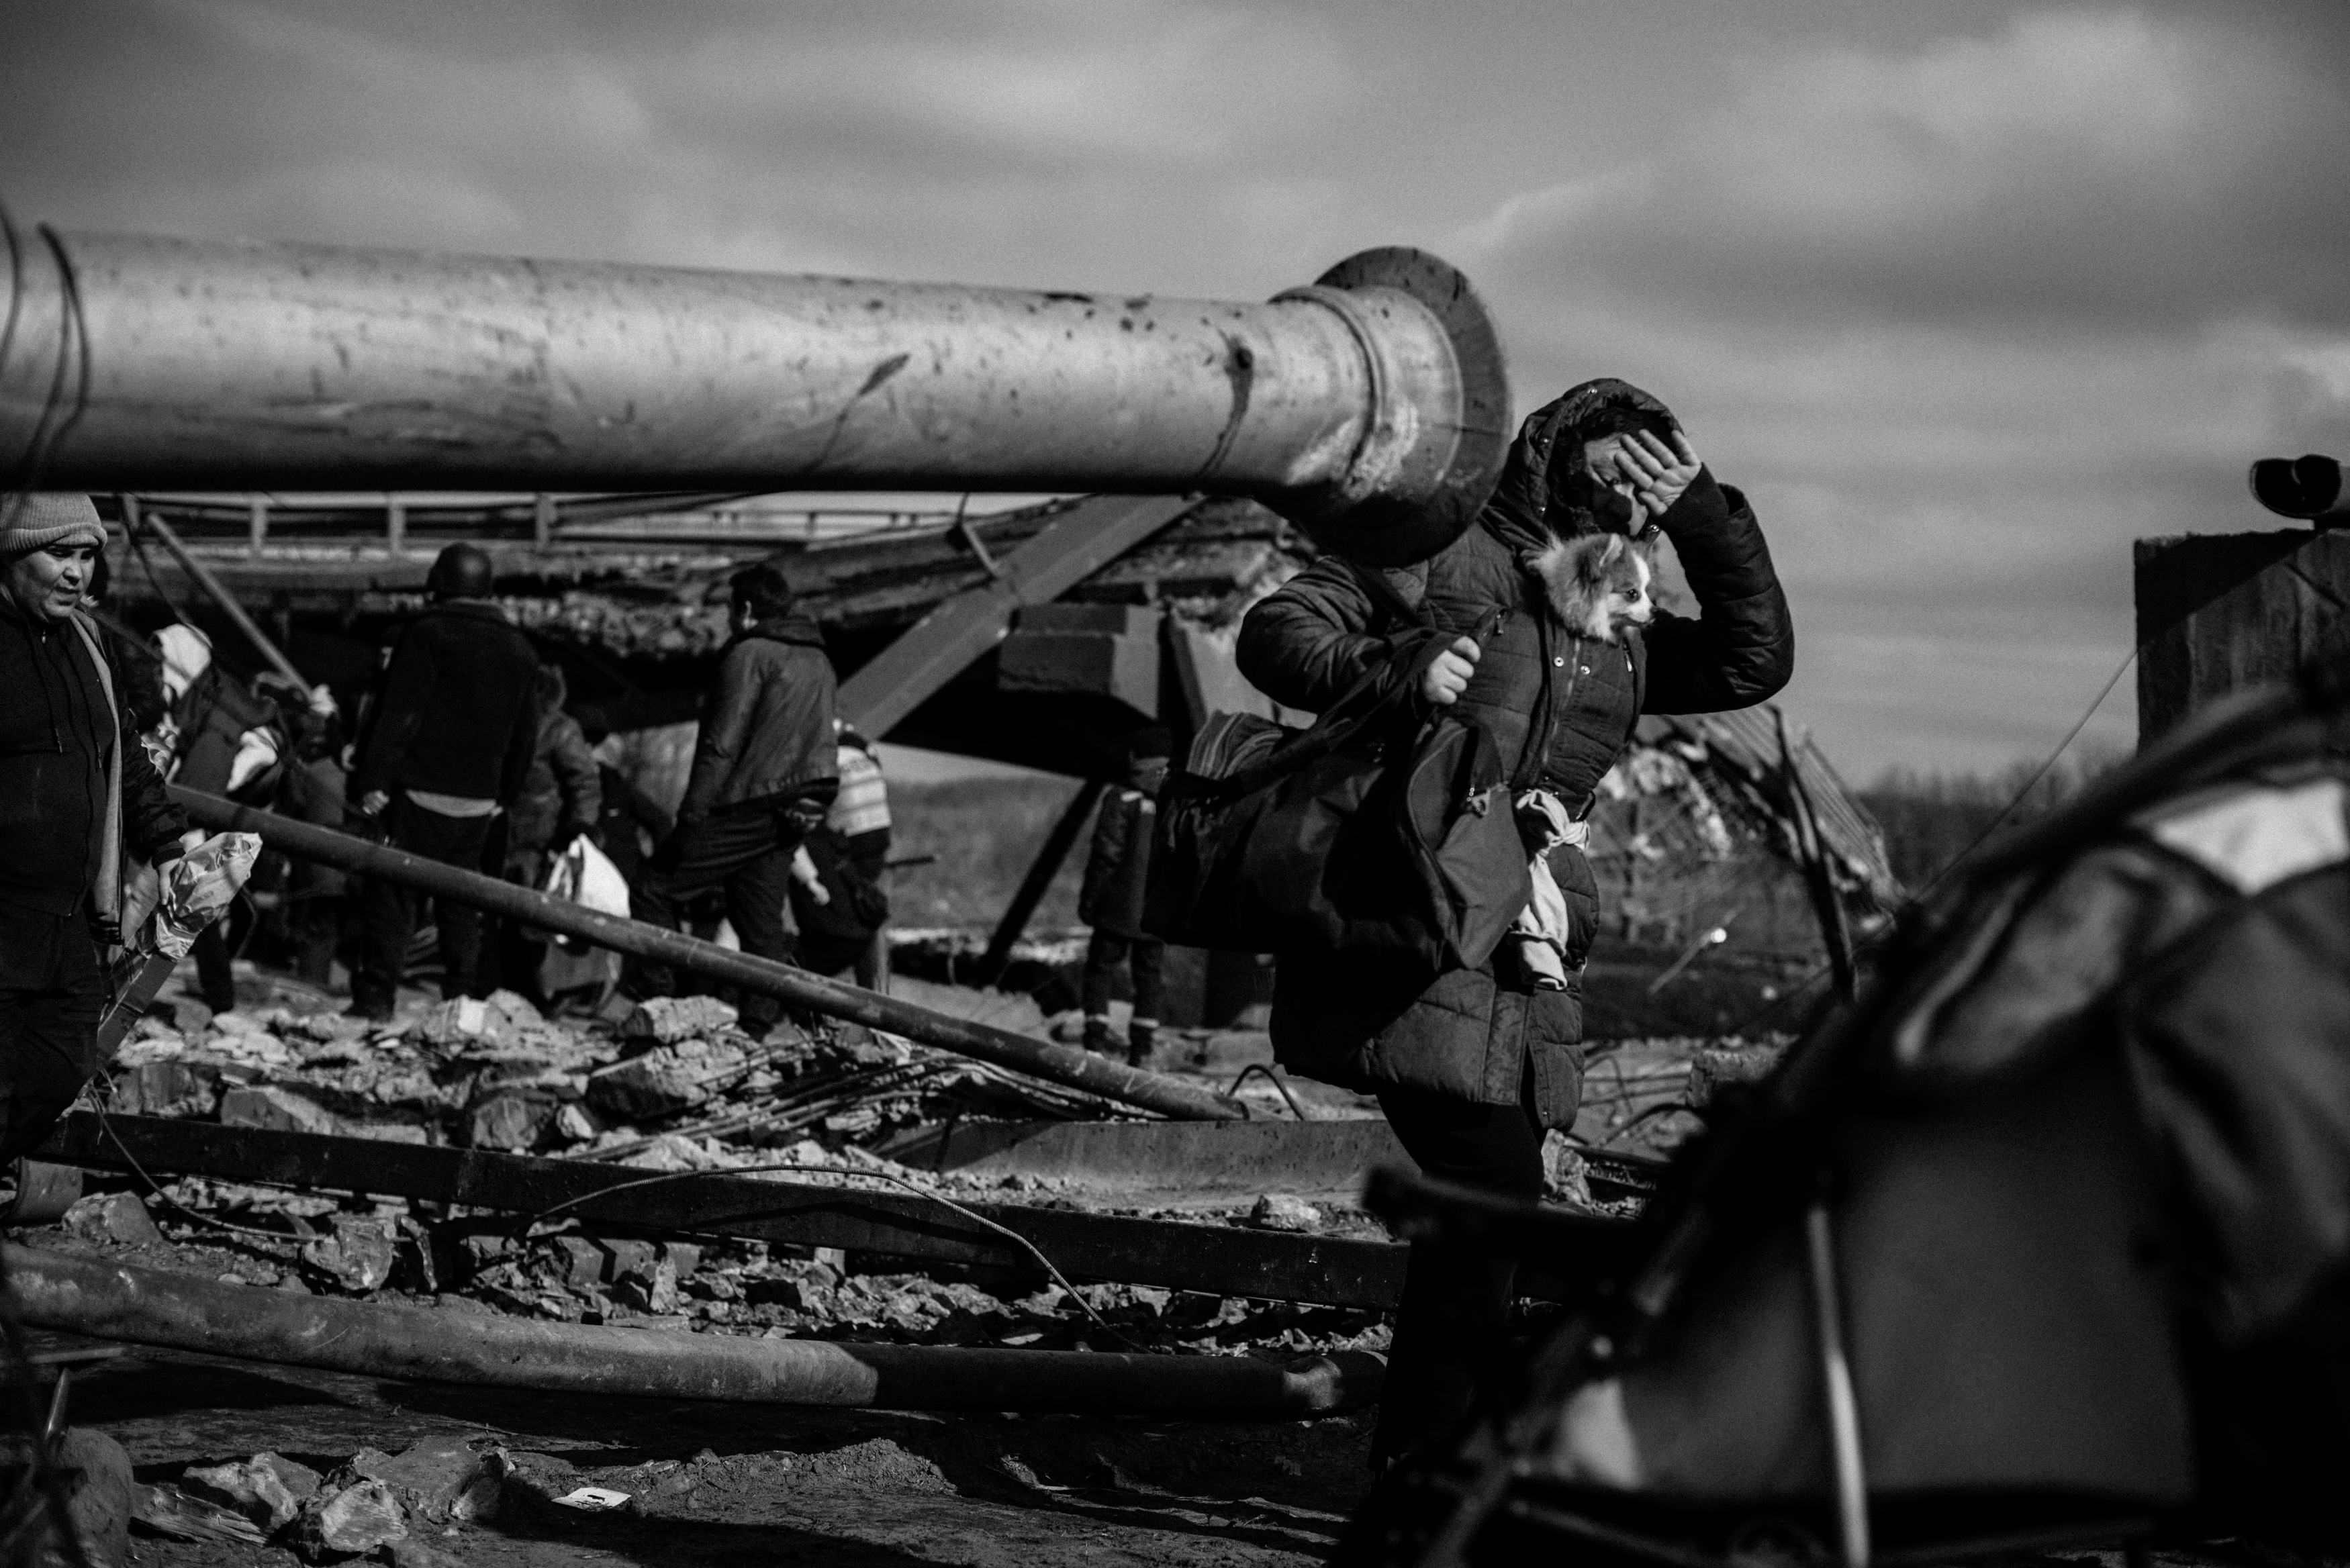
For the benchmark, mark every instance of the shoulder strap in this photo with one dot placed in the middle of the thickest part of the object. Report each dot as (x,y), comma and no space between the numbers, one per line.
(1349,715)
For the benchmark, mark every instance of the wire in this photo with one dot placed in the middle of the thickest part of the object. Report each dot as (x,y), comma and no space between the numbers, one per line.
(1271,1077)
(1910,900)
(155,1187)
(2029,784)
(73,351)
(1015,1237)
(16,285)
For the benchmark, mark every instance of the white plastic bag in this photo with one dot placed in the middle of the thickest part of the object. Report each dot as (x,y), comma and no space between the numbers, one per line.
(584,874)
(197,888)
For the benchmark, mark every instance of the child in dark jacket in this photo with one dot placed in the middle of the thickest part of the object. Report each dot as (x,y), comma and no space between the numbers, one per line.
(1116,872)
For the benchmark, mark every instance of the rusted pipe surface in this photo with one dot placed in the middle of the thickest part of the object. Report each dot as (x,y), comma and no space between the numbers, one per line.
(149,1306)
(1068,1064)
(1373,406)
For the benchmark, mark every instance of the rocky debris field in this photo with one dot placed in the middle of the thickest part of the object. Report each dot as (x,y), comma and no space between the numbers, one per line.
(652,1089)
(674,1086)
(234,1464)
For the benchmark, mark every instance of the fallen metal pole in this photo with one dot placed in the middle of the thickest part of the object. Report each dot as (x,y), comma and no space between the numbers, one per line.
(1039,1058)
(149,1306)
(217,591)
(1181,1255)
(1372,407)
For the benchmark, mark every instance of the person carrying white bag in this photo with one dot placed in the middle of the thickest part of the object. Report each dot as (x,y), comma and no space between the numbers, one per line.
(583,875)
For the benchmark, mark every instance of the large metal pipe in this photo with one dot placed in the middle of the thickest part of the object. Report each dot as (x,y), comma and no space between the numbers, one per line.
(1372,406)
(2309,487)
(148,1306)
(1039,1058)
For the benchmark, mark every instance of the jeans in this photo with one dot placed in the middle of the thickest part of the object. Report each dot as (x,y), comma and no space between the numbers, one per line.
(389,913)
(748,854)
(52,995)
(1456,1299)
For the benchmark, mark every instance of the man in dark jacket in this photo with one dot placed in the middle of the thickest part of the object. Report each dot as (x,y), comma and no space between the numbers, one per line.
(78,796)
(1472,1067)
(764,770)
(442,752)
(1117,870)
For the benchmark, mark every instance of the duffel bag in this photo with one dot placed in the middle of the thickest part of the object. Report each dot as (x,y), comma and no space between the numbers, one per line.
(1367,833)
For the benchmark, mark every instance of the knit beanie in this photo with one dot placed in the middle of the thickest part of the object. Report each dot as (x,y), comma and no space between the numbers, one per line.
(40,518)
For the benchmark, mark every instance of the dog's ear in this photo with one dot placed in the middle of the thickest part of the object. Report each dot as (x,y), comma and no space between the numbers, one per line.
(1591,558)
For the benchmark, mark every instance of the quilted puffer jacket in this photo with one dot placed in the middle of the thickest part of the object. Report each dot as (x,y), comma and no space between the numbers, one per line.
(1560,705)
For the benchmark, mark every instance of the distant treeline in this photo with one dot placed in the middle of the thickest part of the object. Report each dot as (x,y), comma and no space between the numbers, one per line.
(1930,819)
(986,831)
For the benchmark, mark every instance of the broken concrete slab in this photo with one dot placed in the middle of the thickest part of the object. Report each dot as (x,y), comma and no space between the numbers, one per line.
(164,1089)
(275,1108)
(267,1490)
(118,1216)
(357,1254)
(438,1481)
(666,1020)
(515,1121)
(347,1522)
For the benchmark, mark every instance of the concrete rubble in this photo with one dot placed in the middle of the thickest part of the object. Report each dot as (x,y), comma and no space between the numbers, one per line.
(364,1505)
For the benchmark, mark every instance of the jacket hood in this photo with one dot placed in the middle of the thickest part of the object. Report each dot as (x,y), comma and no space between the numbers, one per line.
(1525,512)
(795,628)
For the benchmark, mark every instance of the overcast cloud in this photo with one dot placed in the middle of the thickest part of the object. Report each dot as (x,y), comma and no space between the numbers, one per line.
(1967,294)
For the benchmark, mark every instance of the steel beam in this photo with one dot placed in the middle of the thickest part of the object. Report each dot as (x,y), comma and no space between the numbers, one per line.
(1335,1271)
(1373,406)
(1070,548)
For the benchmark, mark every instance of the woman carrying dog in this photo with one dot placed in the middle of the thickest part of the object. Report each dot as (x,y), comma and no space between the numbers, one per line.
(1472,1068)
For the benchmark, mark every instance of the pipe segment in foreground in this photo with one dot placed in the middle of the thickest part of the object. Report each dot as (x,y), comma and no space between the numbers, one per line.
(1067,1064)
(1372,407)
(150,1306)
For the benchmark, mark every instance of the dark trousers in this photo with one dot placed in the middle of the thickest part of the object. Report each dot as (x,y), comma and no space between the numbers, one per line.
(1456,1300)
(389,913)
(52,994)
(1105,952)
(216,948)
(748,854)
(314,931)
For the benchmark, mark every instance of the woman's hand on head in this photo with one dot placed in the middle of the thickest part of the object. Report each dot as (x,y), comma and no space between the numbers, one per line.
(1447,677)
(1657,473)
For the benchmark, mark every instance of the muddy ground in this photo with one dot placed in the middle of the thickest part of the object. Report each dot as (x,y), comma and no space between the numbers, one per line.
(729,1484)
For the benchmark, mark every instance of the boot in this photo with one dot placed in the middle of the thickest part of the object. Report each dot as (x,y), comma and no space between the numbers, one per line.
(1098,1034)
(1142,1038)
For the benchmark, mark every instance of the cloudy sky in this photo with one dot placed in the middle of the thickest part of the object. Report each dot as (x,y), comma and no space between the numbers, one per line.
(1967,294)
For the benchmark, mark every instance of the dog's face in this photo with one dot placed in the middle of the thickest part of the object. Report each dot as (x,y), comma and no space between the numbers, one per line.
(1616,577)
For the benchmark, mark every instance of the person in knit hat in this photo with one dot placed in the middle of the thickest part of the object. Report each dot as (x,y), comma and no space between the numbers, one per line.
(77,794)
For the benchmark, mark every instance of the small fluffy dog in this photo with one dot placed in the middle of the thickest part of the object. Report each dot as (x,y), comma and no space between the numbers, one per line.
(1599,583)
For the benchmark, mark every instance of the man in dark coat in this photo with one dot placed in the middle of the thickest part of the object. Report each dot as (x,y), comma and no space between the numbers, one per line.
(764,770)
(78,796)
(1117,871)
(441,755)
(1472,1067)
